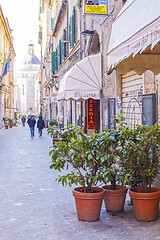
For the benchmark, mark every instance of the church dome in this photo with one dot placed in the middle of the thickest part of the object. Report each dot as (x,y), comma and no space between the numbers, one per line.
(31,59)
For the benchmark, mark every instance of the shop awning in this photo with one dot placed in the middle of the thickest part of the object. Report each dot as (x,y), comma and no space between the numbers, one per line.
(135,36)
(83,80)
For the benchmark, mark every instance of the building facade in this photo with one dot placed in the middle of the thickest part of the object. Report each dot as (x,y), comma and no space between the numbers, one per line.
(74,37)
(7,81)
(68,45)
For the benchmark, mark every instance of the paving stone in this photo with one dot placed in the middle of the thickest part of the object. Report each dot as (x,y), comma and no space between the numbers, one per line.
(35,207)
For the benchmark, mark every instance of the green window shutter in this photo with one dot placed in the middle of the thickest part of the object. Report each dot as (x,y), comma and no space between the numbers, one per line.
(54,62)
(56,59)
(59,54)
(73,27)
(70,33)
(41,10)
(64,45)
(52,23)
(62,50)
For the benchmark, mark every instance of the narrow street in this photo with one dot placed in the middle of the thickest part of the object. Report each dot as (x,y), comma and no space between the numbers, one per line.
(34,207)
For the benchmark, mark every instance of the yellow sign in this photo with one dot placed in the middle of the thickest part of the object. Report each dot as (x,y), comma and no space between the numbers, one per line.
(92,9)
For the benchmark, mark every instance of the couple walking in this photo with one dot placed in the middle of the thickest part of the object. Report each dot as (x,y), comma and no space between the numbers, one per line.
(40,125)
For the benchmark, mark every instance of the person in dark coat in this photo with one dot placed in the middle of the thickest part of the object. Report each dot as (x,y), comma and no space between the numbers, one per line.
(31,122)
(40,125)
(23,120)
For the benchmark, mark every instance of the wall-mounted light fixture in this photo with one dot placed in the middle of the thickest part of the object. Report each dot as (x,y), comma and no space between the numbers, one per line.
(54,76)
(87,32)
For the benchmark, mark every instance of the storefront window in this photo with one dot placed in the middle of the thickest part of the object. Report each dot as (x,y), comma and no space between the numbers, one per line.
(79,105)
(69,112)
(149,109)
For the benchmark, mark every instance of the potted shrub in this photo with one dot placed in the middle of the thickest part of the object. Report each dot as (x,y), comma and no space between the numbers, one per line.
(56,134)
(10,122)
(115,193)
(52,122)
(5,120)
(139,158)
(46,123)
(84,154)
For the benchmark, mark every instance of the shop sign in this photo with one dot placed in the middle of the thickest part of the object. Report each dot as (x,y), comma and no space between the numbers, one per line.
(95,7)
(91,114)
(85,95)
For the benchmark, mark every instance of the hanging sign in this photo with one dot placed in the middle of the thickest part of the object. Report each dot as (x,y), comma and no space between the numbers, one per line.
(95,7)
(91,114)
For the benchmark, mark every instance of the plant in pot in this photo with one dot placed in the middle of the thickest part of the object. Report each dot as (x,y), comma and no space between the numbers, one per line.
(52,122)
(10,122)
(46,123)
(115,193)
(139,158)
(56,134)
(84,154)
(5,120)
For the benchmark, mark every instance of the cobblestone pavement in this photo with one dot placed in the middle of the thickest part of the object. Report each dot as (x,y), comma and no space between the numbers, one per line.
(34,207)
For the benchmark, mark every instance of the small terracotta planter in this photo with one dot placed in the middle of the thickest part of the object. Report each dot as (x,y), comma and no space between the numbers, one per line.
(6,126)
(145,204)
(114,199)
(88,204)
(11,126)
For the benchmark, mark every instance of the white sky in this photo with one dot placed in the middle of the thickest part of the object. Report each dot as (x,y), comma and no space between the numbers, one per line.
(23,19)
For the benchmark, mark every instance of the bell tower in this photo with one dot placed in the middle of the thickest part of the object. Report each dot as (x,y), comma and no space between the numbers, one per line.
(31,48)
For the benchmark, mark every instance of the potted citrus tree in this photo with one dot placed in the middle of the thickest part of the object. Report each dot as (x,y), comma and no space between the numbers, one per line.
(85,155)
(115,192)
(139,158)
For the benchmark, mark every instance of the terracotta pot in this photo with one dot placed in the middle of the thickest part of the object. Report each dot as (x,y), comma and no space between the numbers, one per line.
(11,126)
(145,204)
(114,199)
(88,204)
(6,126)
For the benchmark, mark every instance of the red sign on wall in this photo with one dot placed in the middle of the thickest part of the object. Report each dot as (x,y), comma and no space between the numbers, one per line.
(91,114)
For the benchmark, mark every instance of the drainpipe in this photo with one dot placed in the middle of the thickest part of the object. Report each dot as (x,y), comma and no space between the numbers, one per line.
(80,27)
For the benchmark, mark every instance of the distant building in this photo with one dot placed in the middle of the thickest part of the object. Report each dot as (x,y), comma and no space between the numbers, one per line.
(7,81)
(27,84)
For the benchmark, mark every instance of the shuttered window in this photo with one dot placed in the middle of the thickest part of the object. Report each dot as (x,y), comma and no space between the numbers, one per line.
(52,23)
(63,45)
(70,33)
(149,109)
(72,29)
(59,54)
(54,61)
(57,58)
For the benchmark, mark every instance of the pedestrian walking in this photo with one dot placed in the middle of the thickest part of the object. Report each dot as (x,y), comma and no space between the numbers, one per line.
(23,120)
(31,122)
(40,125)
